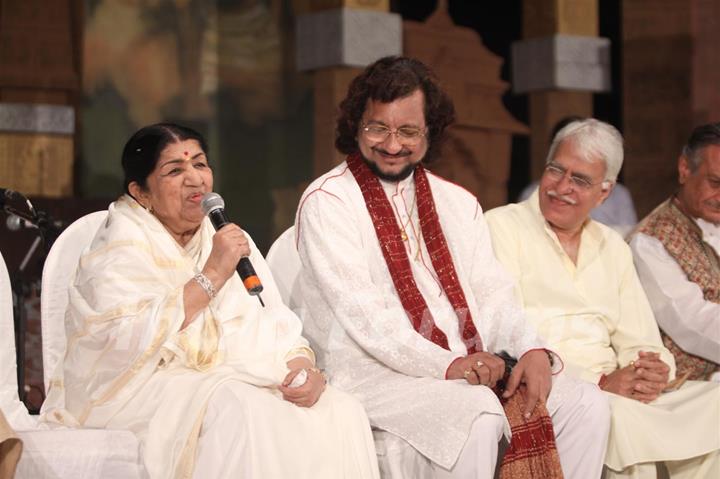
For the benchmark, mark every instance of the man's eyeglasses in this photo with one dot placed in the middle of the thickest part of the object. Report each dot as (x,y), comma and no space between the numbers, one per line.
(557,172)
(406,135)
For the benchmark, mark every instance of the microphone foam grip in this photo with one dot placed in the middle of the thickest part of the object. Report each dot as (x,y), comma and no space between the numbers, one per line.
(249,277)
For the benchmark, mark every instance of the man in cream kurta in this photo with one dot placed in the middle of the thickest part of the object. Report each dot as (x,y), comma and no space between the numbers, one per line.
(588,304)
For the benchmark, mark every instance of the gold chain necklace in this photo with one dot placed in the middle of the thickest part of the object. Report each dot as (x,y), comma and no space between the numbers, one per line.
(403,226)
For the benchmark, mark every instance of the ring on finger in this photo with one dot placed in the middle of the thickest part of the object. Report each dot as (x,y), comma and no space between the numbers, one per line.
(479,363)
(467,372)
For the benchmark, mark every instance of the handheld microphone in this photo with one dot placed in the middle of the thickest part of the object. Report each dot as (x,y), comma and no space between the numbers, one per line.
(214,206)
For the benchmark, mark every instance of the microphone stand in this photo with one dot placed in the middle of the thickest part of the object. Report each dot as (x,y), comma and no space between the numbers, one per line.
(48,232)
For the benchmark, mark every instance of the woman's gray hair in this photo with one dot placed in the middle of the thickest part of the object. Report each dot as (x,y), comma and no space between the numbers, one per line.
(595,139)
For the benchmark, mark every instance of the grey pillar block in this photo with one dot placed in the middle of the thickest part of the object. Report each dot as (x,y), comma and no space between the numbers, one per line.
(561,62)
(36,118)
(346,37)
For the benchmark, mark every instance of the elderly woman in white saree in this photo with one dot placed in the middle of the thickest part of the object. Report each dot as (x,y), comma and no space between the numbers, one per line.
(164,340)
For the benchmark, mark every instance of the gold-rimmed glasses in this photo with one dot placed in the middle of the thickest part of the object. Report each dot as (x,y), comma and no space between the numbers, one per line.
(406,135)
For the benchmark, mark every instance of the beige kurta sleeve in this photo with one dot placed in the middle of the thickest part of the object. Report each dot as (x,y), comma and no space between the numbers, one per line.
(636,329)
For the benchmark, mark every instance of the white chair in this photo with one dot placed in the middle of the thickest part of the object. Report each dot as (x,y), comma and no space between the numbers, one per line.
(58,271)
(396,458)
(65,452)
(285,265)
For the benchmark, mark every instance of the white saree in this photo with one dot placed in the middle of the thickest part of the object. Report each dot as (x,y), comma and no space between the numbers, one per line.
(128,367)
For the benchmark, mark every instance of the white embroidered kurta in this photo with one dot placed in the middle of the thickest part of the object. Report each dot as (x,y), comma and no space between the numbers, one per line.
(358,326)
(128,367)
(596,316)
(679,306)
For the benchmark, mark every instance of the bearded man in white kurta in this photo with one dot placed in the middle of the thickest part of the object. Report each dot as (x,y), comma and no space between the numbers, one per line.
(406,303)
(579,287)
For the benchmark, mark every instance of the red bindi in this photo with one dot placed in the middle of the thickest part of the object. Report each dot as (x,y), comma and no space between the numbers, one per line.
(185,153)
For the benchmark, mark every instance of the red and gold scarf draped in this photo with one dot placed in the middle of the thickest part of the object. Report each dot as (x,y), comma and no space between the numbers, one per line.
(532,451)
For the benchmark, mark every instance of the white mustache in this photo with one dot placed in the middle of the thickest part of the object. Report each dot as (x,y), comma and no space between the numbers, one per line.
(565,198)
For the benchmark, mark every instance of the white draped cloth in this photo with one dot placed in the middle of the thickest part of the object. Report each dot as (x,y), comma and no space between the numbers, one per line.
(128,366)
(680,308)
(594,313)
(363,336)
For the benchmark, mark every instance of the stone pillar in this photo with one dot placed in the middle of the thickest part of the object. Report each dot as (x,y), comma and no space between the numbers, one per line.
(335,39)
(560,63)
(671,83)
(36,149)
(477,154)
(39,83)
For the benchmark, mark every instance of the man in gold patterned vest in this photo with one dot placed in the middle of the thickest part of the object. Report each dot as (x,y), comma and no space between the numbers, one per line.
(676,248)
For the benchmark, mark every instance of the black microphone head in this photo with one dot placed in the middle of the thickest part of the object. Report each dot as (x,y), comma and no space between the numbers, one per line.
(211,202)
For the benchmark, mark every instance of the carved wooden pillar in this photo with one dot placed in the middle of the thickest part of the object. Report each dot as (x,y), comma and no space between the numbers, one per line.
(477,155)
(336,38)
(560,63)
(671,83)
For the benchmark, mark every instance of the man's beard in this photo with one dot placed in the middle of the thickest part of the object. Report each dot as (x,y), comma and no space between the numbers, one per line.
(399,176)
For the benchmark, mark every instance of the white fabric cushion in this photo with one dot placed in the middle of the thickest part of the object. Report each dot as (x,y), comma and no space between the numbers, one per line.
(59,270)
(15,412)
(75,453)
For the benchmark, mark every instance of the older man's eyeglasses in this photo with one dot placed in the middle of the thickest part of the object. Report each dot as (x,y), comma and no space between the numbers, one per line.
(557,172)
(406,135)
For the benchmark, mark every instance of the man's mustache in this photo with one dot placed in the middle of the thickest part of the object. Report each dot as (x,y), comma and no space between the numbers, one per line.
(565,198)
(399,154)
